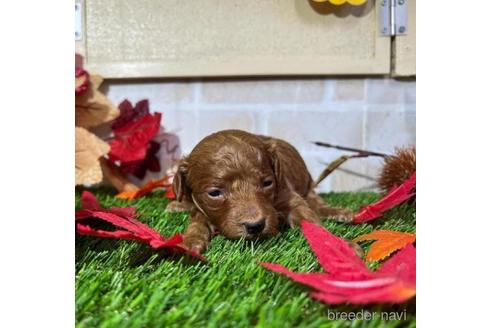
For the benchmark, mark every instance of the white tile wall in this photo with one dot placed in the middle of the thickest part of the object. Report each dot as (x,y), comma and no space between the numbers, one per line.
(373,113)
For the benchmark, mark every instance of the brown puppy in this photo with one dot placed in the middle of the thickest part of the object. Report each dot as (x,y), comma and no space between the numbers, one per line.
(245,185)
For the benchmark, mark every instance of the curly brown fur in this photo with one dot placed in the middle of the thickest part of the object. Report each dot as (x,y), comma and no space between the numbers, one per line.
(245,185)
(397,168)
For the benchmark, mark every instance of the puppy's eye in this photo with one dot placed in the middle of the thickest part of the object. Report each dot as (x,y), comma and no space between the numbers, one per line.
(214,193)
(267,183)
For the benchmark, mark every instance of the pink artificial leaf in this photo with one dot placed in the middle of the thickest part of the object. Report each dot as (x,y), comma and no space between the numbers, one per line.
(90,204)
(394,198)
(89,201)
(333,290)
(333,253)
(131,228)
(345,280)
(118,234)
(403,264)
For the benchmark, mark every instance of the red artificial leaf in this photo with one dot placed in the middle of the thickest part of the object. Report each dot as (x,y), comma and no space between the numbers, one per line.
(124,218)
(146,189)
(132,139)
(129,113)
(135,150)
(170,193)
(149,163)
(347,279)
(387,241)
(81,81)
(395,197)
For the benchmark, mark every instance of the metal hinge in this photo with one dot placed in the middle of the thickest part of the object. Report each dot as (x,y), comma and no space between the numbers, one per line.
(393,17)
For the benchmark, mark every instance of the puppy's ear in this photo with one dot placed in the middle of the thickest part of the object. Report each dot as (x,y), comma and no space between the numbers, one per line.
(181,190)
(276,164)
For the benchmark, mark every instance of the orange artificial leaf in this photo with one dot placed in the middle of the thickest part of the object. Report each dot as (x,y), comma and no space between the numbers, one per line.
(127,194)
(146,189)
(92,108)
(387,242)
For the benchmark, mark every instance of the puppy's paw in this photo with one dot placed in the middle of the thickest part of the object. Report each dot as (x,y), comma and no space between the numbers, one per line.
(197,245)
(176,207)
(344,216)
(295,220)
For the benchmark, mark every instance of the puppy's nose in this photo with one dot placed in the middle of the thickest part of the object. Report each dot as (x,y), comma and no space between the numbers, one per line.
(254,228)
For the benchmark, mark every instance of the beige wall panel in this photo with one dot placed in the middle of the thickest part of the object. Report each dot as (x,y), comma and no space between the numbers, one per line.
(176,38)
(405,47)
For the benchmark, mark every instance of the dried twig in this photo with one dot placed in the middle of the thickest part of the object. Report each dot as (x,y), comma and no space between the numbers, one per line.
(335,164)
(360,151)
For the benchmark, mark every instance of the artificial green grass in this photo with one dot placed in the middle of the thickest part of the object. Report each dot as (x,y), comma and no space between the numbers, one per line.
(122,284)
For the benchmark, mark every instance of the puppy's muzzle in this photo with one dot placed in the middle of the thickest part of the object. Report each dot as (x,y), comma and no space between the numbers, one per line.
(256,227)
